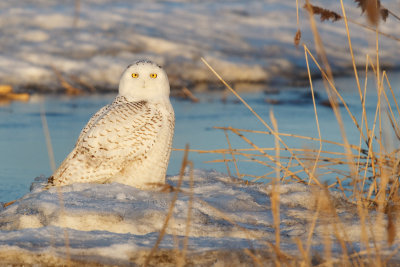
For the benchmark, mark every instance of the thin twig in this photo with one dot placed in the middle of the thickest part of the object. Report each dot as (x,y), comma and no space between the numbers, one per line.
(233,155)
(53,168)
(171,207)
(258,117)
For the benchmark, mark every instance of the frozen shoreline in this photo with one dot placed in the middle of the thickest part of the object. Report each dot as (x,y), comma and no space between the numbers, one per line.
(245,41)
(118,224)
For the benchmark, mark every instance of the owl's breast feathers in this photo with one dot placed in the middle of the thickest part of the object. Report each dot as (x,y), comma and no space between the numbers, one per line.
(116,135)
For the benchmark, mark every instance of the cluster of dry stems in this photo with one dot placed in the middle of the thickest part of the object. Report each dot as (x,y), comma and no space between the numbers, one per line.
(366,173)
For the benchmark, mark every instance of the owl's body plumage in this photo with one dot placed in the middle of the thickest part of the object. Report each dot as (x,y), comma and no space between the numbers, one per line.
(128,141)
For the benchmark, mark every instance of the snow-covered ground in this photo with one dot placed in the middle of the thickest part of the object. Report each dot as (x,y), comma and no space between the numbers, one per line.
(118,224)
(113,224)
(244,40)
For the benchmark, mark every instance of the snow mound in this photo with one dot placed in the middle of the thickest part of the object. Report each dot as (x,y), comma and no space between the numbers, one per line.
(108,223)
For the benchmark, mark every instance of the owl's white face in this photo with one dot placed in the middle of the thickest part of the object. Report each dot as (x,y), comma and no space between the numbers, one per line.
(144,80)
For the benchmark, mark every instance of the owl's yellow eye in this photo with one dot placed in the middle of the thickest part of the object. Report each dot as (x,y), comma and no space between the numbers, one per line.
(135,75)
(153,75)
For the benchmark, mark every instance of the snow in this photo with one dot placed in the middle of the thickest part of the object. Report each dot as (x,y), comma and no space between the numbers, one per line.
(108,223)
(245,41)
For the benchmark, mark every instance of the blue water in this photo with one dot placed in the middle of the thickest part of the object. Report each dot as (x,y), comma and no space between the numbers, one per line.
(24,154)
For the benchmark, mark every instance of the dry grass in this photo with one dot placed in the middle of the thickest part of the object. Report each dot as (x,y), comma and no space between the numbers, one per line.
(363,159)
(369,168)
(181,257)
(372,172)
(326,14)
(77,10)
(53,168)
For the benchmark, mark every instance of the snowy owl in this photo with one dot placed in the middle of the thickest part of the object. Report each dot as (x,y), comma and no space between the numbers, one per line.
(129,140)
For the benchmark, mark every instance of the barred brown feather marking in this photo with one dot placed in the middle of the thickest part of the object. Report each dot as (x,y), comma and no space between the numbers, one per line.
(94,137)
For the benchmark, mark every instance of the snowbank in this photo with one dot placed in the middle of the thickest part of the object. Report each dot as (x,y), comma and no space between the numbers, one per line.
(118,224)
(246,41)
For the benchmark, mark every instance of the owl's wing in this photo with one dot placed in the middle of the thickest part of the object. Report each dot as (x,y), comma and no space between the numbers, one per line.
(91,122)
(121,134)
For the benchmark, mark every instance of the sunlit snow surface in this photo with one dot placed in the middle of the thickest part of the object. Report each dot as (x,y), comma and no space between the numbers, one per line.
(109,223)
(112,223)
(244,40)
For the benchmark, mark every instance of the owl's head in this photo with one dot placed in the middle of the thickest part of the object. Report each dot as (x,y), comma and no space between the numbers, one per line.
(144,80)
